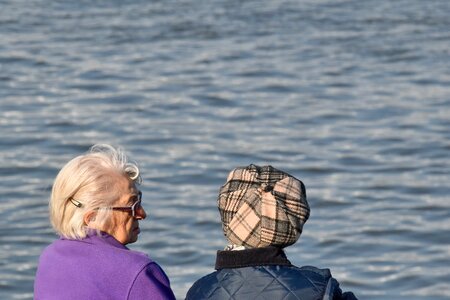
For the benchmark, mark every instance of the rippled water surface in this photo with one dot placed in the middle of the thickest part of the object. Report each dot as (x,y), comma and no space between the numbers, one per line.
(352,97)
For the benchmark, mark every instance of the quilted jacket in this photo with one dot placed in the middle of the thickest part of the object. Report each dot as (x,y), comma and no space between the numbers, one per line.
(265,273)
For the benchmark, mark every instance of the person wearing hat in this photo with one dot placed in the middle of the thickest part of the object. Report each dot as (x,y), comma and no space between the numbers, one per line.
(263,211)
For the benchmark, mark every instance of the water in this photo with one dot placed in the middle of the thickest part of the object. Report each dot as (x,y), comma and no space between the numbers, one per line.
(352,97)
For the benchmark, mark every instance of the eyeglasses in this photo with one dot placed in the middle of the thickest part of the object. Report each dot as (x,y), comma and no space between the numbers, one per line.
(133,208)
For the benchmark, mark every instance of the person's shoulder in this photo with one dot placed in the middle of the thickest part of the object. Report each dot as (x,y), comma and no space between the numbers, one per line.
(333,290)
(96,252)
(299,278)
(207,280)
(127,256)
(202,287)
(294,271)
(325,273)
(54,247)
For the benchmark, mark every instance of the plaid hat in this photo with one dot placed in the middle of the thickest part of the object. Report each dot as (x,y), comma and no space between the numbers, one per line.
(262,206)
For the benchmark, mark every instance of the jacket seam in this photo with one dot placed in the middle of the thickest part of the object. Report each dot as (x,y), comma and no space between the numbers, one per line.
(144,267)
(327,294)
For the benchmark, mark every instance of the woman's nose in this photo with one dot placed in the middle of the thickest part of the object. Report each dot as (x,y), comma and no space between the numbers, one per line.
(141,214)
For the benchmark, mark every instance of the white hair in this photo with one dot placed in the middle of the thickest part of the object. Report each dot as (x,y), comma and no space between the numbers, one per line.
(88,180)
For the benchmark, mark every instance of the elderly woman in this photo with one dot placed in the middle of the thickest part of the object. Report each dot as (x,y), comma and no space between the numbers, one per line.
(96,207)
(263,211)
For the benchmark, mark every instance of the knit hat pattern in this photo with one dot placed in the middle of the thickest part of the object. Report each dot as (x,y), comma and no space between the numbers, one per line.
(262,206)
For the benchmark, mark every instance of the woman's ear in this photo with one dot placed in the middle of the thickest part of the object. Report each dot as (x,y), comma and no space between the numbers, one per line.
(89,217)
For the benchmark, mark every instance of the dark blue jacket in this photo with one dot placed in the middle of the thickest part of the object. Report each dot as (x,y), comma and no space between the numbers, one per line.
(265,273)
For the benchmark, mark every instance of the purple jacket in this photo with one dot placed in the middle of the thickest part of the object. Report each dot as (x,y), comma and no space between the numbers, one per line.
(98,267)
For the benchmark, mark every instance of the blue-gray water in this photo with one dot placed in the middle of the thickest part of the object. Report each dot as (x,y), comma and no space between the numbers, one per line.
(352,97)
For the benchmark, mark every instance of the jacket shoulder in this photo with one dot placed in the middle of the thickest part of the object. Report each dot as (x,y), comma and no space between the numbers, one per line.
(326,273)
(81,250)
(274,282)
(201,289)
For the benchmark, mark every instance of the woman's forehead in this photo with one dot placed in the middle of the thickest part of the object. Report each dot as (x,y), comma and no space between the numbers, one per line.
(127,187)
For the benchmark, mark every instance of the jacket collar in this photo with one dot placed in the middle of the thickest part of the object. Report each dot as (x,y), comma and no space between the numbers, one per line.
(251,258)
(99,238)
